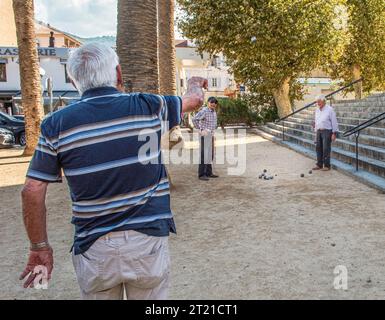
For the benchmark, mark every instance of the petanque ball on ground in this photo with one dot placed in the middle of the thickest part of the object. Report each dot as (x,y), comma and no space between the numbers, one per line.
(310,172)
(302,175)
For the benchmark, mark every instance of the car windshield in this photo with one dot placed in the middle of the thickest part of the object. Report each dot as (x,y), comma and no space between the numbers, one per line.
(7,116)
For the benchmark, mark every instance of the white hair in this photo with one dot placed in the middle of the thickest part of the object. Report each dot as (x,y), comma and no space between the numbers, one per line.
(92,66)
(321,97)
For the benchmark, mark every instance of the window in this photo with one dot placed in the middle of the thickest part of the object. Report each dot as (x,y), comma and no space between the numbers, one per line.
(215,62)
(182,83)
(3,72)
(214,82)
(68,80)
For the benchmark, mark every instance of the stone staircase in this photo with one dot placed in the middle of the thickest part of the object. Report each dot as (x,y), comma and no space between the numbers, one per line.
(299,136)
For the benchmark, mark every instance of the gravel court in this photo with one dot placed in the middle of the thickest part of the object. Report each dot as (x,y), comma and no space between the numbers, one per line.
(239,237)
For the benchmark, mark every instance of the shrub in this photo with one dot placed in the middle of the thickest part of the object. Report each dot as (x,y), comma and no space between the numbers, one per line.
(249,109)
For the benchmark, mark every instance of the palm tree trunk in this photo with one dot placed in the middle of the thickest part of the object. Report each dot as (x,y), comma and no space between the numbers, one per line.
(167,55)
(167,58)
(167,66)
(137,45)
(282,98)
(29,71)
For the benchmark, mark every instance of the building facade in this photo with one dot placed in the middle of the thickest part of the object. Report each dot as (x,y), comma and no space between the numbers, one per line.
(7,24)
(53,47)
(53,65)
(317,83)
(190,63)
(45,33)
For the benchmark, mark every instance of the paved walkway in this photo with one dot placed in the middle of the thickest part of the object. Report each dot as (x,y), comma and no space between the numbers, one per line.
(238,237)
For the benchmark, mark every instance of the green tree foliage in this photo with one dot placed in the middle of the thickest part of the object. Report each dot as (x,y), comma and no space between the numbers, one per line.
(364,50)
(267,43)
(250,109)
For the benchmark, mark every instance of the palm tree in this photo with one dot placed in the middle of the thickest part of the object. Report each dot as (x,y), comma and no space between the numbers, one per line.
(29,71)
(167,55)
(137,45)
(139,49)
(167,59)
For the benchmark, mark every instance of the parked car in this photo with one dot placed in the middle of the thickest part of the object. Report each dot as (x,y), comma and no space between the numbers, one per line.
(19,117)
(17,127)
(7,139)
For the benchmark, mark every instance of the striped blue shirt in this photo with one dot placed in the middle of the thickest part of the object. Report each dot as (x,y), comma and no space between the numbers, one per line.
(108,146)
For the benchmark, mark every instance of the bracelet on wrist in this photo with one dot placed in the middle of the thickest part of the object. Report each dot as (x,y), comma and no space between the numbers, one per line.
(39,245)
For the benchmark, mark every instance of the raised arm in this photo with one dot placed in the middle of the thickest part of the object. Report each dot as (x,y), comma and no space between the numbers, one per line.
(194,97)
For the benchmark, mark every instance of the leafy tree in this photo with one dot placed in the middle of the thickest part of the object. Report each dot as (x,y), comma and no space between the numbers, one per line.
(267,43)
(364,51)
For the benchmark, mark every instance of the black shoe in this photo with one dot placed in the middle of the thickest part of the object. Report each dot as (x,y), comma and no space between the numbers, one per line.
(204,178)
(213,176)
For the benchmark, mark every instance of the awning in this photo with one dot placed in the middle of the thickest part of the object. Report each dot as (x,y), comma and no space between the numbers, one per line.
(8,94)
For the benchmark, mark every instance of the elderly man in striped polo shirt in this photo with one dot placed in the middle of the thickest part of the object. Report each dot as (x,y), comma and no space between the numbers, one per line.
(108,146)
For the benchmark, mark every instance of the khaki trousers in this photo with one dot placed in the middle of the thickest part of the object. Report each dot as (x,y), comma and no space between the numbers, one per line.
(122,265)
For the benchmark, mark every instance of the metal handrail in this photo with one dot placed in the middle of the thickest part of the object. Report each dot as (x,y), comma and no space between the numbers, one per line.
(357,131)
(365,125)
(313,103)
(327,97)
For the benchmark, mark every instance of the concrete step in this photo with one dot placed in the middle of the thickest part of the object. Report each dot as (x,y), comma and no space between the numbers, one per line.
(364,113)
(306,140)
(372,109)
(376,141)
(346,143)
(365,177)
(380,98)
(300,135)
(308,125)
(342,121)
(369,108)
(360,104)
(306,114)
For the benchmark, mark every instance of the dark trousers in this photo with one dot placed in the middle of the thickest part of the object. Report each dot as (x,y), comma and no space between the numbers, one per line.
(207,156)
(324,148)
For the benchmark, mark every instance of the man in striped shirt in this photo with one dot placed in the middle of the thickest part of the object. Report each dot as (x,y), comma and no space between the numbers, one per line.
(108,147)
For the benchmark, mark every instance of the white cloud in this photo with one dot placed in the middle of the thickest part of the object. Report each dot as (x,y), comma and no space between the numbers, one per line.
(84,18)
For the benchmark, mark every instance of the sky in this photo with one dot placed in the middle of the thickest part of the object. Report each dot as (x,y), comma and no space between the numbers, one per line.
(84,18)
